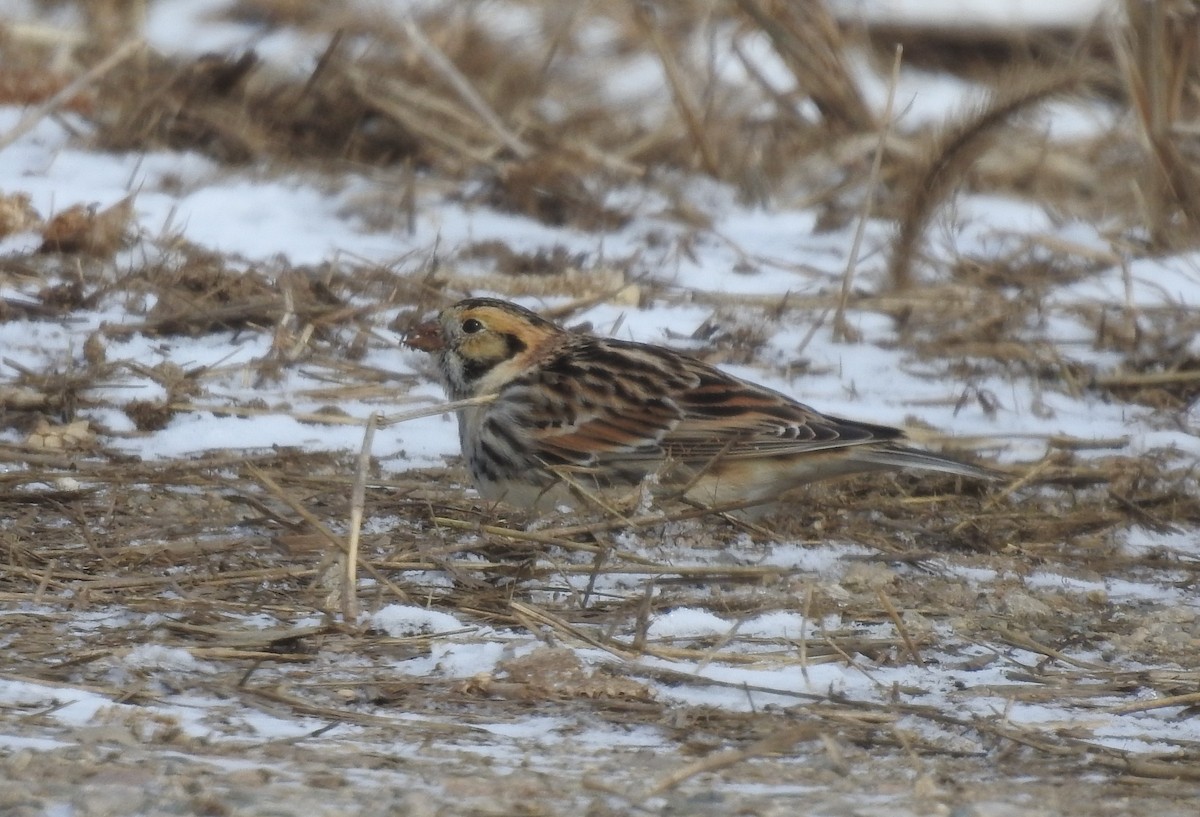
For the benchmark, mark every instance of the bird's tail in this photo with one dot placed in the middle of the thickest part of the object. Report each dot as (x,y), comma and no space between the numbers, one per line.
(900,457)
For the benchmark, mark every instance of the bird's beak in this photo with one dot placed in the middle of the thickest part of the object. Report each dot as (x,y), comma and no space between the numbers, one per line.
(426,338)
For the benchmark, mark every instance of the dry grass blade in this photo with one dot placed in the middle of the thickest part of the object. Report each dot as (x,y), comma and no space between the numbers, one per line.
(1187,699)
(536,537)
(1153,770)
(279,493)
(784,740)
(1027,642)
(338,714)
(1147,378)
(434,411)
(901,629)
(421,113)
(960,144)
(807,39)
(888,607)
(465,89)
(29,121)
(537,617)
(357,502)
(1160,61)
(681,93)
(841,329)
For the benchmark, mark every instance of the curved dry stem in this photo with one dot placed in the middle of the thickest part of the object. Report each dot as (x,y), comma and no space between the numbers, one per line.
(961,142)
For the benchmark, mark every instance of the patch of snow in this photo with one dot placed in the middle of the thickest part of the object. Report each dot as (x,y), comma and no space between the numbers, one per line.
(687,623)
(401,620)
(161,657)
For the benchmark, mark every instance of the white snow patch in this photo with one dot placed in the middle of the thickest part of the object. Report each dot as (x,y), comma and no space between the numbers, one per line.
(402,620)
(687,623)
(161,657)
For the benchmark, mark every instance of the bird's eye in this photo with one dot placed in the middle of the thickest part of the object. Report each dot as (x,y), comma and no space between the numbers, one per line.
(471,326)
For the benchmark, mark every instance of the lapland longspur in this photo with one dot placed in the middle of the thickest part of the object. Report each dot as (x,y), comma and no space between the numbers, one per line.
(575,415)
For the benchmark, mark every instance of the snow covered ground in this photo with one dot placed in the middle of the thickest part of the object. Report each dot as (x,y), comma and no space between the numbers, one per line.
(360,713)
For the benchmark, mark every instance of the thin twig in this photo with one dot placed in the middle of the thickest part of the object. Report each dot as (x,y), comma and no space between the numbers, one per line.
(779,742)
(563,628)
(894,615)
(308,516)
(841,330)
(433,411)
(439,62)
(358,500)
(680,92)
(1186,699)
(536,537)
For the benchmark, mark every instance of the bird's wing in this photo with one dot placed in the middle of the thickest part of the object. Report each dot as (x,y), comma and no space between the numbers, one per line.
(607,403)
(595,402)
(724,415)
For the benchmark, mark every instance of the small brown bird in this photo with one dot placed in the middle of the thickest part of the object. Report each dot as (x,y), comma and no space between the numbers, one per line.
(575,416)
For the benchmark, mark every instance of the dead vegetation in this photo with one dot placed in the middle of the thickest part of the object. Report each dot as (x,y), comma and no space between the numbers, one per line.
(442,101)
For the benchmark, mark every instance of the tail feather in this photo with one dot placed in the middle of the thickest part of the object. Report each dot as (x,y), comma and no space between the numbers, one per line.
(900,457)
